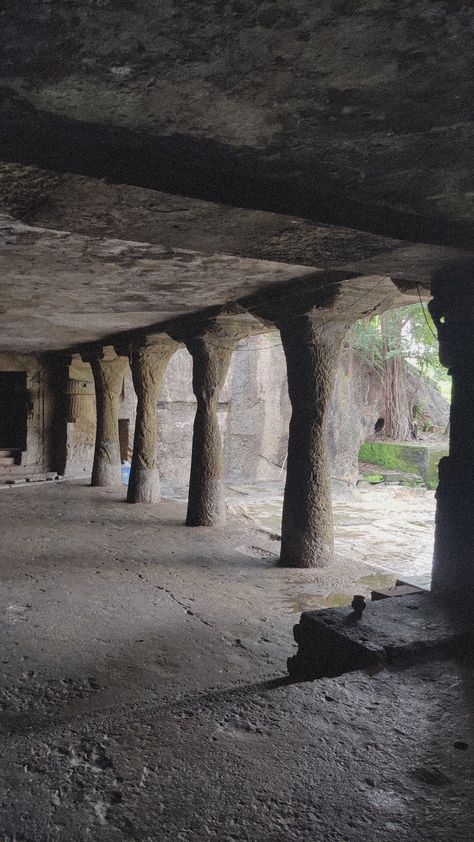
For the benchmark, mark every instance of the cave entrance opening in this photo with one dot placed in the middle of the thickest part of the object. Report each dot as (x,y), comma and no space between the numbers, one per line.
(13,410)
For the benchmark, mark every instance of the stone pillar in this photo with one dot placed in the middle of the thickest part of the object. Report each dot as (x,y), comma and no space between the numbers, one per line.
(148,362)
(108,370)
(211,357)
(79,394)
(312,353)
(452,309)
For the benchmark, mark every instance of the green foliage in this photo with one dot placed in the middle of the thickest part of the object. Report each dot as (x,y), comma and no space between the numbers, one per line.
(405,332)
(365,337)
(373,479)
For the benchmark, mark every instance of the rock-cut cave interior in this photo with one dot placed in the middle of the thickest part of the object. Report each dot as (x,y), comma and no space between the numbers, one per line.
(216,625)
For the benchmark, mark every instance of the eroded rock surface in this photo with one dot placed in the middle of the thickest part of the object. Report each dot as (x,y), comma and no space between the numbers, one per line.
(344,113)
(140,691)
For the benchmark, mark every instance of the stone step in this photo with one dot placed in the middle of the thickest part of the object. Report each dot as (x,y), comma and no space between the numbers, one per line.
(396,632)
(31,479)
(9,457)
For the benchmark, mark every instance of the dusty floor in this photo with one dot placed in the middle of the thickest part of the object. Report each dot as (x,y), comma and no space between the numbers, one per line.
(143,691)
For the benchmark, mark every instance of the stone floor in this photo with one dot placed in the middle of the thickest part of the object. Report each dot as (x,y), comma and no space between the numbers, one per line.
(388,528)
(144,695)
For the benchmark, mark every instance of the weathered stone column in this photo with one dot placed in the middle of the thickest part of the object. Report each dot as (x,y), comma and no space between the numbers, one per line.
(78,393)
(108,370)
(452,309)
(211,354)
(148,359)
(312,352)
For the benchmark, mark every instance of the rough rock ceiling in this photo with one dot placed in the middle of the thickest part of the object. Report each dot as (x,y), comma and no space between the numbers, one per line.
(351,113)
(349,122)
(94,208)
(60,289)
(81,260)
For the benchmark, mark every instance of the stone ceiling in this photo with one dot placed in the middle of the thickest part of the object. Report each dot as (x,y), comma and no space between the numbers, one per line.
(94,208)
(350,113)
(81,260)
(61,289)
(163,158)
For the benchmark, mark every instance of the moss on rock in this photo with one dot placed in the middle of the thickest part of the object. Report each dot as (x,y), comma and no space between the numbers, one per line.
(409,458)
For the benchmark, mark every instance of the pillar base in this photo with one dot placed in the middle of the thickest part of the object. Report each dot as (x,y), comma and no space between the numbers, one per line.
(293,555)
(144,486)
(209,508)
(106,472)
(453,565)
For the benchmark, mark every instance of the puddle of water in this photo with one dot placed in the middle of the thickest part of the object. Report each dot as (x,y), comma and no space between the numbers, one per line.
(310,602)
(378,580)
(304,601)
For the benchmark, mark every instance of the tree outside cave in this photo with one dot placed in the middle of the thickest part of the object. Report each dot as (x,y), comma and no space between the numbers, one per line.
(396,344)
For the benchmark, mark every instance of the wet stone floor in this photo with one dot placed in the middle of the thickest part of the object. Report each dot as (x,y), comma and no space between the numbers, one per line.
(143,687)
(387,528)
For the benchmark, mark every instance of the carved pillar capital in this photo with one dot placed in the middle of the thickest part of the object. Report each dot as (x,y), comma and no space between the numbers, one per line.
(100,353)
(148,355)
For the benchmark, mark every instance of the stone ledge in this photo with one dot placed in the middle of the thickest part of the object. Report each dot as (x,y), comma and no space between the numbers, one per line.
(393,631)
(421,457)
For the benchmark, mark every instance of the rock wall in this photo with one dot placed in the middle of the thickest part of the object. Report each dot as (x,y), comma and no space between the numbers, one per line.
(355,408)
(253,413)
(39,401)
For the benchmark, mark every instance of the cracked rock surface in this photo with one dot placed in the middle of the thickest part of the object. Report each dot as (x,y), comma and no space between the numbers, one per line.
(143,692)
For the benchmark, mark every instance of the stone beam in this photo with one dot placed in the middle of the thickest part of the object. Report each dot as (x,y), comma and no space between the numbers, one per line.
(93,207)
(61,291)
(336,294)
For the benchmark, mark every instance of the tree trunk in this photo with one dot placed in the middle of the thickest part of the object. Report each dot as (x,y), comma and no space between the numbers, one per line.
(398,420)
